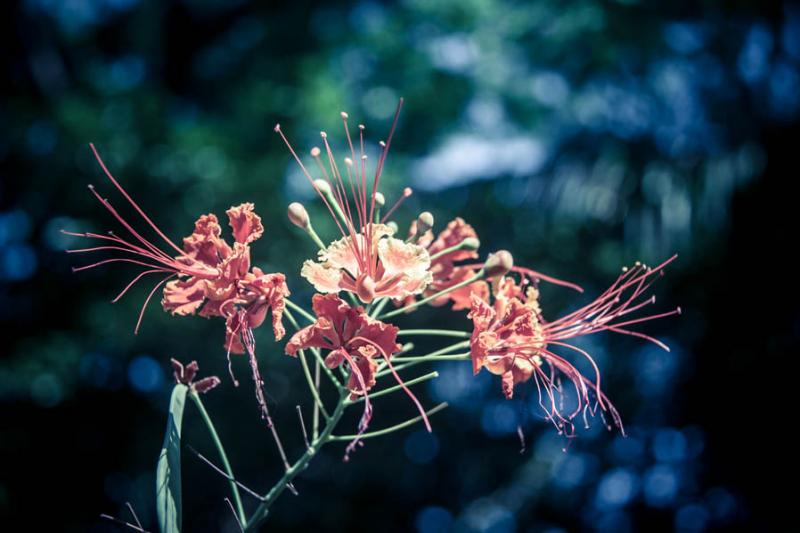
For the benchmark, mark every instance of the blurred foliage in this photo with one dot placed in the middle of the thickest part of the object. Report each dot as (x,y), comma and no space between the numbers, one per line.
(581,136)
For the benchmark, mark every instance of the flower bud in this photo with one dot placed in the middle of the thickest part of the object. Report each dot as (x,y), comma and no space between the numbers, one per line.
(380,200)
(498,264)
(323,187)
(424,222)
(298,215)
(470,243)
(393,226)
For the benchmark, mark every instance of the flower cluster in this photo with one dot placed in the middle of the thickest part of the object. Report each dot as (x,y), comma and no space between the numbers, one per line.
(369,266)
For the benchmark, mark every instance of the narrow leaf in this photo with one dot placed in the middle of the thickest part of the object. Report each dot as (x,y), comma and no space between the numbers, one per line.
(168,472)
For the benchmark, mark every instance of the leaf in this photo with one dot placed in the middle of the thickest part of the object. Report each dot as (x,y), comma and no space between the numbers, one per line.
(168,471)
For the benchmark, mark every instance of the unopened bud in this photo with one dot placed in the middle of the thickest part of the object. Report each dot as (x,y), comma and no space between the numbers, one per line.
(380,200)
(323,187)
(393,226)
(498,264)
(470,243)
(298,215)
(424,222)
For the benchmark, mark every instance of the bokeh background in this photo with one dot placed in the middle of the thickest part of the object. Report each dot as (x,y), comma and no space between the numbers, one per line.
(580,135)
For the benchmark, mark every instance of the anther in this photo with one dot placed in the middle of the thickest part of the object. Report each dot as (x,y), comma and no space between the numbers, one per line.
(315,152)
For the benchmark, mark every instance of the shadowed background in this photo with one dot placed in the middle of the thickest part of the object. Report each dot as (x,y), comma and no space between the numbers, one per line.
(581,136)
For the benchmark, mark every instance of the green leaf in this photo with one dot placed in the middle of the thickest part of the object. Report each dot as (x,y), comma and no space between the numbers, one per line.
(168,472)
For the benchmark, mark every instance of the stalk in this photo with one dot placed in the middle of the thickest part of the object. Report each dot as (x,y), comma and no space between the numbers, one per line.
(237,499)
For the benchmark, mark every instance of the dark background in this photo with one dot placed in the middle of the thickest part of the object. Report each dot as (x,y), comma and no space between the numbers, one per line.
(581,136)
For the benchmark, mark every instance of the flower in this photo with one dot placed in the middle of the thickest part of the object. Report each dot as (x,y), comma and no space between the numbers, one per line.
(511,339)
(186,374)
(240,294)
(213,277)
(350,335)
(367,260)
(372,265)
(444,271)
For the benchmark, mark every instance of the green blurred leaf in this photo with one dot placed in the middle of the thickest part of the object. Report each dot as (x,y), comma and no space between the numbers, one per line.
(168,472)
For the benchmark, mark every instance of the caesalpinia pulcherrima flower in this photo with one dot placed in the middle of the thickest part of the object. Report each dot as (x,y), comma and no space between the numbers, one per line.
(350,335)
(240,294)
(511,339)
(445,270)
(214,279)
(368,260)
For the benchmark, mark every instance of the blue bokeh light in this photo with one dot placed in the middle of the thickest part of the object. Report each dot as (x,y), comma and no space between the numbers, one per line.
(145,374)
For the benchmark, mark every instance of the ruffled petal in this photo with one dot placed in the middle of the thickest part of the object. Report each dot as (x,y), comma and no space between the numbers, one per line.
(263,292)
(341,254)
(456,231)
(184,297)
(374,333)
(324,279)
(204,244)
(245,223)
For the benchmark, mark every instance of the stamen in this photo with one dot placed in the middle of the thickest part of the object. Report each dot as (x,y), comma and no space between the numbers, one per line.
(408,191)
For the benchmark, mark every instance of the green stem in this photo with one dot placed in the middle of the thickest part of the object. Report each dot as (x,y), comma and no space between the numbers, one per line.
(423,358)
(310,381)
(432,356)
(454,248)
(378,394)
(315,427)
(261,511)
(379,307)
(314,237)
(237,499)
(477,277)
(308,316)
(439,332)
(391,429)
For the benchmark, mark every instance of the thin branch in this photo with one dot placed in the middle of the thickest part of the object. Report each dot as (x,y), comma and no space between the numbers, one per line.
(221,472)
(303,426)
(378,394)
(235,517)
(123,523)
(391,429)
(133,514)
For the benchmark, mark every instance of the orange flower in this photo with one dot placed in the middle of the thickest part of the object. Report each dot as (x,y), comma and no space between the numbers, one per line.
(240,294)
(378,265)
(444,271)
(213,278)
(367,260)
(511,339)
(350,335)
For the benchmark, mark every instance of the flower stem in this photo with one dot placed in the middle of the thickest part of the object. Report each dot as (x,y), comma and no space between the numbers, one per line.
(378,394)
(439,332)
(237,499)
(477,277)
(308,316)
(432,356)
(261,511)
(311,385)
(314,237)
(315,423)
(378,307)
(390,429)
(423,358)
